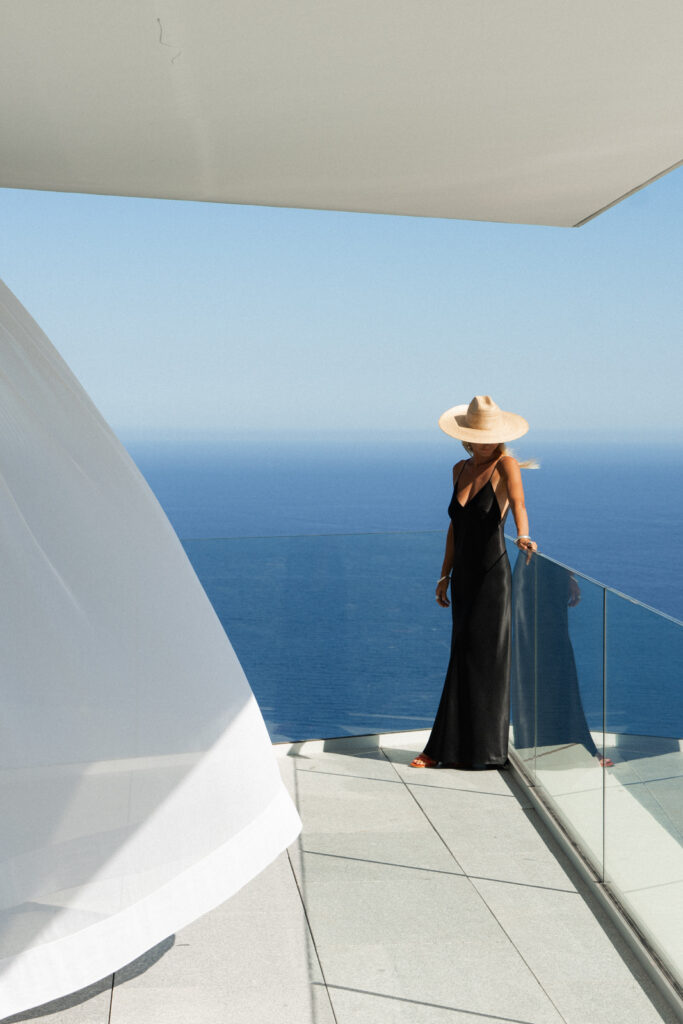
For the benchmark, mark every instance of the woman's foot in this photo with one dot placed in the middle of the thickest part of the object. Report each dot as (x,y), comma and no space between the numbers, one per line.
(423,761)
(605,762)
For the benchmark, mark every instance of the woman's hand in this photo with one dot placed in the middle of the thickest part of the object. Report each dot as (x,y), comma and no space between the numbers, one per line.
(528,545)
(442,593)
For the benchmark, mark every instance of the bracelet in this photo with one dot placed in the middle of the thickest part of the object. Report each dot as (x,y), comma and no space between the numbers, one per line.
(442,579)
(523,536)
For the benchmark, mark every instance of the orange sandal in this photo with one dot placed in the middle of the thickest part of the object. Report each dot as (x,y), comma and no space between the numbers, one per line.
(423,761)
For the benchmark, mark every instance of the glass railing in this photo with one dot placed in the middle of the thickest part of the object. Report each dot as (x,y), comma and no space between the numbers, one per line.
(557,691)
(597,719)
(340,635)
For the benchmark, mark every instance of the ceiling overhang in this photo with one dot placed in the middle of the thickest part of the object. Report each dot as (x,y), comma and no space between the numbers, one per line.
(537,111)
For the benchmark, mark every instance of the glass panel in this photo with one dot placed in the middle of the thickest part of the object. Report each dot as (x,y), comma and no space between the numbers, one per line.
(338,635)
(644,789)
(557,690)
(523,667)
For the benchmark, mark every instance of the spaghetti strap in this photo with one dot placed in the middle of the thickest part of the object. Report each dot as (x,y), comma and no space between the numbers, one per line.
(456,478)
(493,470)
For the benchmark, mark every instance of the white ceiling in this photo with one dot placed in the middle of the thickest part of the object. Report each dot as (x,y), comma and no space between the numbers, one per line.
(534,111)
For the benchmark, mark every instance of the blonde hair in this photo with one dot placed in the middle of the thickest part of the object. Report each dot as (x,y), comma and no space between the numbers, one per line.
(504,450)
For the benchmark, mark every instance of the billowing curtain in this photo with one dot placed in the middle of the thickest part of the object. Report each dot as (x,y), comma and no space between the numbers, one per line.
(138,787)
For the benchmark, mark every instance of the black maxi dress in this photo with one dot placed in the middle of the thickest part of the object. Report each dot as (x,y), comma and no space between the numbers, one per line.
(472,723)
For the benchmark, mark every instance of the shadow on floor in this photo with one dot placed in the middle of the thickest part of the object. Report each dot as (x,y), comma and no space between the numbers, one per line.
(132,970)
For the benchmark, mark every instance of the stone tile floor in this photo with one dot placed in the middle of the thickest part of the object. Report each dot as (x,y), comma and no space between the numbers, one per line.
(424,897)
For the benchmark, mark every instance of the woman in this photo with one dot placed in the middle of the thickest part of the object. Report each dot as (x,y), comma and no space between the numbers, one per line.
(472,722)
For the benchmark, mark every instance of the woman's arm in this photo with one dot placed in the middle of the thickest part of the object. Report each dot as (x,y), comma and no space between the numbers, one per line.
(446,566)
(447,563)
(513,482)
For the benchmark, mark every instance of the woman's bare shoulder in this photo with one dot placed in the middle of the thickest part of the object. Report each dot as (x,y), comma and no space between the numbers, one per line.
(457,467)
(508,464)
(509,471)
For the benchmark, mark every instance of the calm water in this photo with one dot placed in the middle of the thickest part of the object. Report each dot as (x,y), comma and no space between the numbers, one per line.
(326,591)
(612,513)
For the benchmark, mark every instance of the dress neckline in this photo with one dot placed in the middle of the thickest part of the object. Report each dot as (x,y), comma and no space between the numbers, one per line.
(473,496)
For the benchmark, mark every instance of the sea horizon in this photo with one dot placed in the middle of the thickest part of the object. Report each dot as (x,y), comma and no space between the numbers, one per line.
(601,508)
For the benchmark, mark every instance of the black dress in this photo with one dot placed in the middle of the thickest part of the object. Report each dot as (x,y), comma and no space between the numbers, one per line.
(472,723)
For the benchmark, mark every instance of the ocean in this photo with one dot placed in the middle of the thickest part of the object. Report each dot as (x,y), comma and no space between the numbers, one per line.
(320,558)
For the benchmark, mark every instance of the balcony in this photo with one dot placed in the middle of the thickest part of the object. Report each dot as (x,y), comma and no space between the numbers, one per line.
(549,892)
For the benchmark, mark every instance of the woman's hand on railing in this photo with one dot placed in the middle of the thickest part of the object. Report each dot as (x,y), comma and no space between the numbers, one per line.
(525,543)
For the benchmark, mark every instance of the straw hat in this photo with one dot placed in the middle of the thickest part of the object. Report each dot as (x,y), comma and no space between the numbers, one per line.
(482,422)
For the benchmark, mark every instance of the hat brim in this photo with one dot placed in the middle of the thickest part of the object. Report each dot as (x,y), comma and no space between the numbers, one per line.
(454,423)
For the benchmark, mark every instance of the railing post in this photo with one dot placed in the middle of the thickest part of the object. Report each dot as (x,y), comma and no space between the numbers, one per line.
(604,725)
(535,564)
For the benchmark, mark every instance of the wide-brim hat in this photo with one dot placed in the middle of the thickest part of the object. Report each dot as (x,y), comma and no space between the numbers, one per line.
(482,422)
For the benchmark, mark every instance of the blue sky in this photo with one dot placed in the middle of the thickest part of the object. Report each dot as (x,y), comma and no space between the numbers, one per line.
(197,319)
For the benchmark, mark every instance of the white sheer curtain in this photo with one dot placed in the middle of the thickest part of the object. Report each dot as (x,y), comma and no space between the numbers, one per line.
(138,788)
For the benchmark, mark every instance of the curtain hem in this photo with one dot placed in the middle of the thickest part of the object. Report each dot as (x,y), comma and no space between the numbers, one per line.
(42,974)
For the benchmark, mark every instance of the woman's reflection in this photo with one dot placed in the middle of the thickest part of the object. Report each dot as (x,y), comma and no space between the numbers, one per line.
(542,594)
